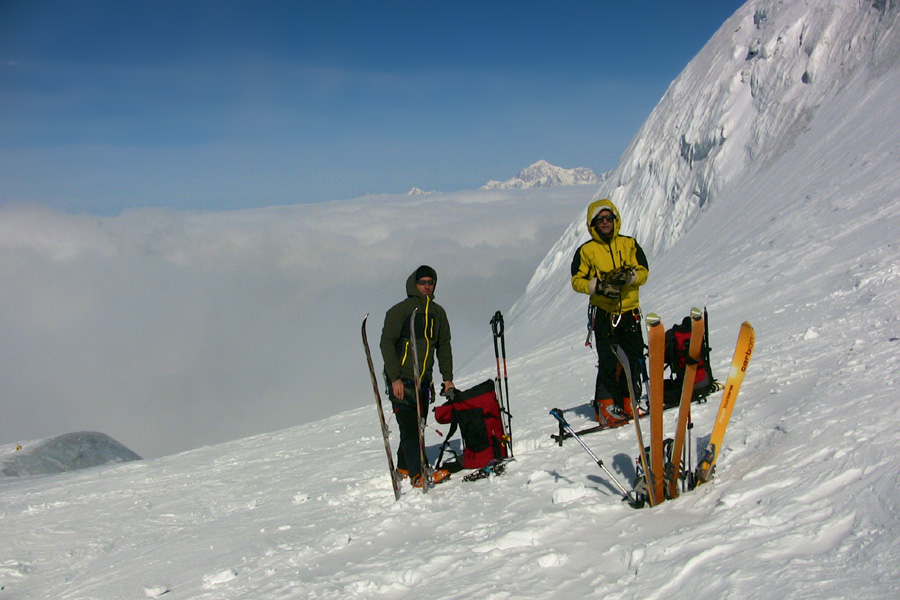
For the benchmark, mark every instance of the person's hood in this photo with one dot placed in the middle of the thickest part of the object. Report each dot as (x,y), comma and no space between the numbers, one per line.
(594,209)
(412,290)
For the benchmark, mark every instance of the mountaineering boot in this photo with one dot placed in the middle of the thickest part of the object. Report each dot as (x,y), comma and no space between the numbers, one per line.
(608,413)
(437,476)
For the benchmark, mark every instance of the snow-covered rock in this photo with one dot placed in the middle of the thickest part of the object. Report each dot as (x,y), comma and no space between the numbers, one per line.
(67,452)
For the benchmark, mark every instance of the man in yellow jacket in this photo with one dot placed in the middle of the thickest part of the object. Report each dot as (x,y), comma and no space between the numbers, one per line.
(610,268)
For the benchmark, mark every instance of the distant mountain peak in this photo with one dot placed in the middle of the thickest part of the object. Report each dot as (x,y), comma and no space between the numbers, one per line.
(543,174)
(417,192)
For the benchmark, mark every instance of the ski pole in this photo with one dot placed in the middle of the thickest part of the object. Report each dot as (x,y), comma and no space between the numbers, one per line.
(497,327)
(494,329)
(505,383)
(557,414)
(690,479)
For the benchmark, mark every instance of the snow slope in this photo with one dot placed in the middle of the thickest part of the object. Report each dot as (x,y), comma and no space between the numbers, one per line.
(800,240)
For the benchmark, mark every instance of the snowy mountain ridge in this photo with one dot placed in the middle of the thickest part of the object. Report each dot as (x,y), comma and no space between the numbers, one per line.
(795,234)
(755,90)
(757,86)
(543,174)
(414,191)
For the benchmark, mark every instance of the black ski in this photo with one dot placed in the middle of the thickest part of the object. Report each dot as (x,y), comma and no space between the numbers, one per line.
(648,475)
(384,428)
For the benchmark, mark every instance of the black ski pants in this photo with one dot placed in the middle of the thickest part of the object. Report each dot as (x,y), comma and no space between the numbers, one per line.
(623,330)
(405,411)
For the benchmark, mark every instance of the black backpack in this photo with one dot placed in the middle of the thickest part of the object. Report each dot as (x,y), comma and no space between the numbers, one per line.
(678,340)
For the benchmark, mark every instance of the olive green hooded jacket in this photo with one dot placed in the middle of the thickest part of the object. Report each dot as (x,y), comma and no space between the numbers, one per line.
(600,256)
(432,337)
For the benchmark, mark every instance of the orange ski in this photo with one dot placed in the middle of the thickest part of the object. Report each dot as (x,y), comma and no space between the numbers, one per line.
(673,469)
(656,340)
(742,353)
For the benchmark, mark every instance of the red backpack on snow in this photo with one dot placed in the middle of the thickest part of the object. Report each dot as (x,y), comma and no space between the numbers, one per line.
(476,412)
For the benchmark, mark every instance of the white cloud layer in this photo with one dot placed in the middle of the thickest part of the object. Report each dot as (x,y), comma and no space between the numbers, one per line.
(171,330)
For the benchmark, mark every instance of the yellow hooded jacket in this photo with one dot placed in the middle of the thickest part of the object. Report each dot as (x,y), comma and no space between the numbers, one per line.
(599,256)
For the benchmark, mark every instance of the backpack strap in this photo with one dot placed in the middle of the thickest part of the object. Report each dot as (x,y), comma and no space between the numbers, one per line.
(453,428)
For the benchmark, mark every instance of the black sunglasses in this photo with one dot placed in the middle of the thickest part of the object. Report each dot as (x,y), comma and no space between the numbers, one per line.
(425,282)
(605,218)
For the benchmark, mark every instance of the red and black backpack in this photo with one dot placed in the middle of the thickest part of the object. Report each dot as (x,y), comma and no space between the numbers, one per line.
(678,340)
(476,413)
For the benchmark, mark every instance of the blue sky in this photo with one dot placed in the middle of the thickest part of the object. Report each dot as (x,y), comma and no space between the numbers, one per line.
(111,105)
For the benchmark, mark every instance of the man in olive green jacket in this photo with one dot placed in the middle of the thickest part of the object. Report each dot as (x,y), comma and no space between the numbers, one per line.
(610,268)
(432,339)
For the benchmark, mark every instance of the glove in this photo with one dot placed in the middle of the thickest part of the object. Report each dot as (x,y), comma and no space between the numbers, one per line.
(624,277)
(608,289)
(448,392)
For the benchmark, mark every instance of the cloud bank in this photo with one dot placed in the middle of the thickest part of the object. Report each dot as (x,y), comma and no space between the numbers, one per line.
(172,330)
